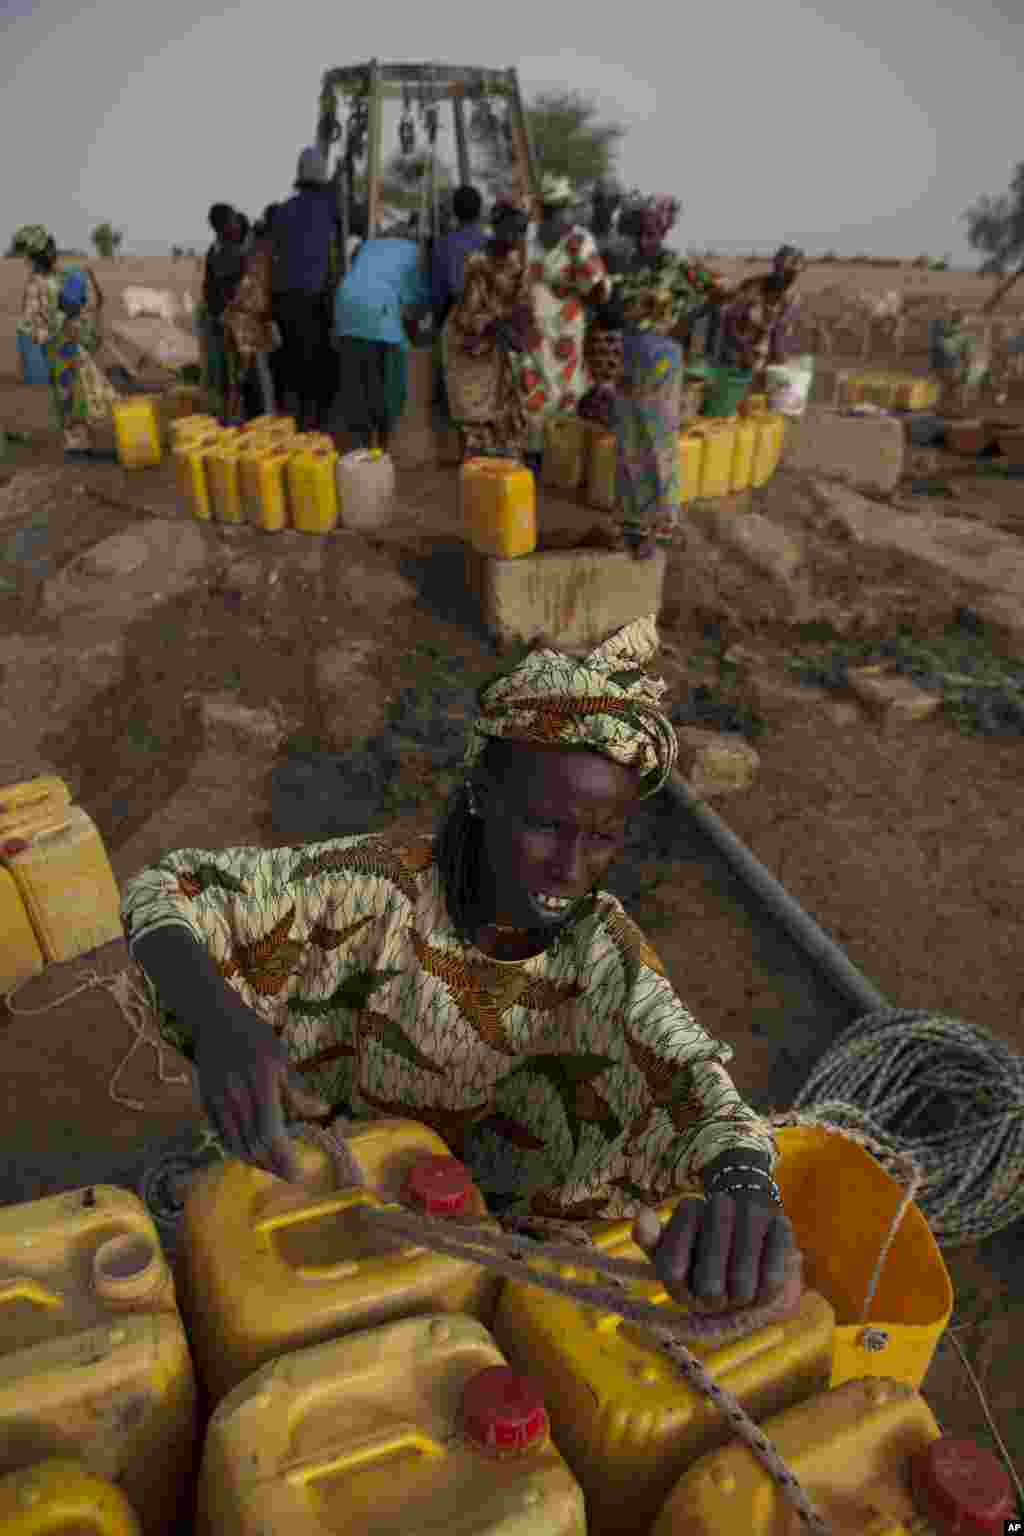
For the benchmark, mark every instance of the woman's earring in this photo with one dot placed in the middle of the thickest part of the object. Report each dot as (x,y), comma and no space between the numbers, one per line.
(474,809)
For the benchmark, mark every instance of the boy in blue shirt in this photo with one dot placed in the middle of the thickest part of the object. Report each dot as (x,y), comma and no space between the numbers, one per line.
(377,308)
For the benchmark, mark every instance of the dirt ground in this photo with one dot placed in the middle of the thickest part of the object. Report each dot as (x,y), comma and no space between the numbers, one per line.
(903,845)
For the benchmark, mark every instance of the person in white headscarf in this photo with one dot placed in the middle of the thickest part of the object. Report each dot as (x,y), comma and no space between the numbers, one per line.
(566,274)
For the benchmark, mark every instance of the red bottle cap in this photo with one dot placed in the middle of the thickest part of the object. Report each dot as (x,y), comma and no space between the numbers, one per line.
(503,1411)
(962,1488)
(441,1186)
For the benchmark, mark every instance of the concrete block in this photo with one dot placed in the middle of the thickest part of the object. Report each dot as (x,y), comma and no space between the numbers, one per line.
(865,451)
(714,763)
(1003,618)
(578,597)
(896,698)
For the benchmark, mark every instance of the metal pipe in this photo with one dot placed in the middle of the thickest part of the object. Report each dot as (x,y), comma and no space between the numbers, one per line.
(822,951)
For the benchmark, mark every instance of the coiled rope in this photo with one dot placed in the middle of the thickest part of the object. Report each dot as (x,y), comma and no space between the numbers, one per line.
(906,1067)
(949,1095)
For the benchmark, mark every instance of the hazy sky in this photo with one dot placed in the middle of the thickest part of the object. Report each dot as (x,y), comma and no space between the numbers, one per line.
(866,126)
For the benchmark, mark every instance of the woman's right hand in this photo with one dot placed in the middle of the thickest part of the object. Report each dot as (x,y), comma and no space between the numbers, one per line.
(249,1090)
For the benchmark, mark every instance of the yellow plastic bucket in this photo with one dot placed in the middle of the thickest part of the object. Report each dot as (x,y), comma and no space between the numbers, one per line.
(841,1202)
(137,432)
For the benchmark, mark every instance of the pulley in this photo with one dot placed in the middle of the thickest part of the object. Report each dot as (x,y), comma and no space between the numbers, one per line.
(431,122)
(358,126)
(406,126)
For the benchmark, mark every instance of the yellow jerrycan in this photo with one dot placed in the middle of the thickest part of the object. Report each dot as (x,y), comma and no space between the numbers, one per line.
(137,432)
(719,435)
(94,1363)
(68,888)
(743,451)
(565,452)
(623,1417)
(262,486)
(870,1457)
(771,428)
(498,500)
(412,1427)
(191,457)
(59,1497)
(313,489)
(270,1266)
(601,467)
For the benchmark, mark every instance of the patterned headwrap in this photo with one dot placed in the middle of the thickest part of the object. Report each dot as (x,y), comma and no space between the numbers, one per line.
(32,239)
(556,191)
(605,702)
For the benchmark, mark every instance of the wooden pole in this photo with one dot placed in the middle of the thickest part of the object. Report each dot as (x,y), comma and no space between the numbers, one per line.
(1003,290)
(373,153)
(461,142)
(525,167)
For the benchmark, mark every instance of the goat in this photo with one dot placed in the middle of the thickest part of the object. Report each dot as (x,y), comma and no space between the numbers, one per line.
(150,301)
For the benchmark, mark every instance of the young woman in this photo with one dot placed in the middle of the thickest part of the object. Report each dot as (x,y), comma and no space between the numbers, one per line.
(249,321)
(653,300)
(480,982)
(566,275)
(81,394)
(225,266)
(483,338)
(759,324)
(39,249)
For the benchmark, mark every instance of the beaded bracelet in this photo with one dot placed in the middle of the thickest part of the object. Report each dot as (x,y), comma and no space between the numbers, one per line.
(772,1188)
(742,1168)
(758,1189)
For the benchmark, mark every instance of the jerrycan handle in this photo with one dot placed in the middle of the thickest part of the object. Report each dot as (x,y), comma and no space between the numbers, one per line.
(345,1200)
(26,1288)
(404,1437)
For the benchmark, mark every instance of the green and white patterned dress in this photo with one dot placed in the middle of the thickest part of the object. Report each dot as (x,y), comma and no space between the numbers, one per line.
(576,1081)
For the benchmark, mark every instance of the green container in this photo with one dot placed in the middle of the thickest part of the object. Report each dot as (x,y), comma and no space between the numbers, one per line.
(724,390)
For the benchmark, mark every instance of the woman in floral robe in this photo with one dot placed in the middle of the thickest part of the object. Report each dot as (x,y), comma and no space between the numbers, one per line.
(481,335)
(249,321)
(657,296)
(81,394)
(566,275)
(759,324)
(39,249)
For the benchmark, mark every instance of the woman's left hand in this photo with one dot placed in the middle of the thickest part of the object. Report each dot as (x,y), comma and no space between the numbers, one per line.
(727,1248)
